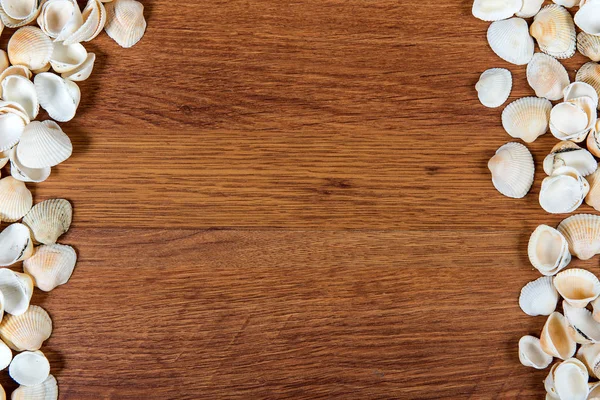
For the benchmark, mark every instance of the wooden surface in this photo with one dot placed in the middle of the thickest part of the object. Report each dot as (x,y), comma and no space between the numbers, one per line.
(279,200)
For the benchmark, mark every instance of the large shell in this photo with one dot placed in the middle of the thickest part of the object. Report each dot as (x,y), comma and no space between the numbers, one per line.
(568,154)
(29,46)
(547,76)
(582,232)
(494,87)
(527,118)
(15,245)
(43,144)
(26,331)
(571,380)
(556,339)
(539,297)
(125,21)
(47,390)
(577,286)
(563,191)
(26,174)
(587,17)
(554,31)
(15,199)
(51,265)
(60,18)
(17,289)
(58,96)
(49,219)
(21,90)
(512,170)
(590,74)
(585,329)
(531,353)
(511,41)
(29,368)
(589,45)
(530,8)
(548,252)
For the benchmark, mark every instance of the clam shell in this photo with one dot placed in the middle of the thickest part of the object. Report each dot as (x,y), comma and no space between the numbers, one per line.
(590,73)
(548,252)
(15,245)
(587,17)
(577,286)
(485,10)
(547,76)
(556,339)
(512,170)
(527,118)
(11,129)
(47,390)
(11,22)
(531,353)
(43,144)
(15,199)
(26,174)
(94,18)
(511,41)
(125,21)
(59,97)
(17,289)
(588,355)
(530,8)
(594,393)
(19,9)
(596,309)
(21,90)
(573,119)
(49,219)
(26,331)
(549,384)
(582,232)
(4,63)
(539,297)
(29,46)
(60,18)
(571,380)
(5,355)
(82,72)
(563,191)
(593,197)
(494,87)
(554,31)
(585,329)
(589,46)
(29,368)
(579,90)
(51,265)
(66,58)
(568,154)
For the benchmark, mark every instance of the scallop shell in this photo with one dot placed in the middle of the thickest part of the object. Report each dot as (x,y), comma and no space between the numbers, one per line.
(548,252)
(563,191)
(569,154)
(531,353)
(585,329)
(494,87)
(125,21)
(26,174)
(527,118)
(17,289)
(547,76)
(51,265)
(539,297)
(577,286)
(43,144)
(60,18)
(29,46)
(66,58)
(82,72)
(59,97)
(47,390)
(571,380)
(15,245)
(49,219)
(4,63)
(590,73)
(582,232)
(511,41)
(26,331)
(21,90)
(589,46)
(15,199)
(587,17)
(29,368)
(556,339)
(554,31)
(530,8)
(512,170)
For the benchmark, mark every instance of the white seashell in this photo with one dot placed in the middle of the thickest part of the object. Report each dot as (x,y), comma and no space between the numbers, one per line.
(587,17)
(17,289)
(585,329)
(493,10)
(588,354)
(593,140)
(577,286)
(563,191)
(82,72)
(18,8)
(589,45)
(5,355)
(51,265)
(530,8)
(582,232)
(548,252)
(531,353)
(66,58)
(596,309)
(549,384)
(49,219)
(26,174)
(569,154)
(539,297)
(4,63)
(593,197)
(15,245)
(22,91)
(29,368)
(26,331)
(547,76)
(43,144)
(573,119)
(126,25)
(494,87)
(94,19)
(15,199)
(571,380)
(59,97)
(512,170)
(60,18)
(590,73)
(580,89)
(511,41)
(554,31)
(47,390)
(566,3)
(556,339)
(594,393)
(11,129)
(527,118)
(29,46)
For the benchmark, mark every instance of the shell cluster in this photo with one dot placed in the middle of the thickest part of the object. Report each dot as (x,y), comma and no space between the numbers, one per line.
(43,61)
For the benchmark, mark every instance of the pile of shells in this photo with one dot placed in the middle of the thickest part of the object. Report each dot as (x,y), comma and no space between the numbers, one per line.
(40,69)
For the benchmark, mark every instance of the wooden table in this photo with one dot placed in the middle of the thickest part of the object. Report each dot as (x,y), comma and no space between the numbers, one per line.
(291,200)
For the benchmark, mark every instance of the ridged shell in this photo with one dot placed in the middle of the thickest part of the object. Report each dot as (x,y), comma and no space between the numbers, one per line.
(25,174)
(584,328)
(125,21)
(94,19)
(530,8)
(51,265)
(593,197)
(527,118)
(17,289)
(47,390)
(15,245)
(5,355)
(563,191)
(556,339)
(547,76)
(589,46)
(21,90)
(49,219)
(512,170)
(571,380)
(590,74)
(531,353)
(29,368)
(494,87)
(26,331)
(29,46)
(554,30)
(14,22)
(43,144)
(569,154)
(66,58)
(582,231)
(577,286)
(15,199)
(82,72)
(60,18)
(539,297)
(587,17)
(548,252)
(511,41)
(58,96)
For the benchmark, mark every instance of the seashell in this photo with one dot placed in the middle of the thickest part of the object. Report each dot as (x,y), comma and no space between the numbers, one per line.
(29,46)
(590,73)
(593,197)
(11,129)
(18,8)
(15,245)
(568,154)
(582,232)
(49,219)
(511,41)
(589,46)
(549,384)
(563,191)
(66,58)
(594,393)
(548,252)
(26,331)
(571,380)
(585,329)
(580,89)
(15,70)
(577,286)
(5,355)
(126,25)
(51,265)
(547,76)
(17,289)
(530,8)
(588,354)
(43,144)
(59,97)
(485,10)
(573,119)
(555,338)
(596,309)
(587,17)
(15,199)
(22,91)
(26,174)
(60,18)
(527,118)
(494,87)
(531,353)
(47,390)
(94,19)
(539,297)
(512,170)
(554,31)
(593,140)
(4,63)
(566,3)
(29,368)
(82,72)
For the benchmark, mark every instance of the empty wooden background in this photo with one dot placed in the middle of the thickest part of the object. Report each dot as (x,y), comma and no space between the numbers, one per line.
(279,200)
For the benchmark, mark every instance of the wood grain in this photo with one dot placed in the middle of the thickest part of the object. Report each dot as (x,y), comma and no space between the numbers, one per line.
(291,200)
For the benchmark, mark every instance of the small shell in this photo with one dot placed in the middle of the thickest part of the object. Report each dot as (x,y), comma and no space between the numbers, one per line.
(530,8)
(58,96)
(554,31)
(47,390)
(563,191)
(125,21)
(5,355)
(589,46)
(580,89)
(60,18)
(94,19)
(573,119)
(566,3)
(571,380)
(590,74)
(582,232)
(585,329)
(17,289)
(593,197)
(587,17)
(531,353)
(29,46)
(26,331)
(22,91)
(51,265)
(588,355)
(26,174)
(547,76)
(568,154)
(43,144)
(511,41)
(577,286)
(539,297)
(556,339)
(66,58)
(494,87)
(15,199)
(548,250)
(549,384)
(11,129)
(49,219)
(82,72)
(18,8)
(490,10)
(512,170)
(15,245)
(29,368)
(527,118)
(593,140)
